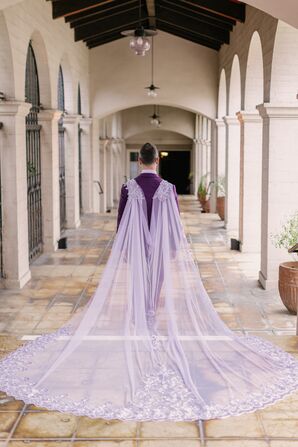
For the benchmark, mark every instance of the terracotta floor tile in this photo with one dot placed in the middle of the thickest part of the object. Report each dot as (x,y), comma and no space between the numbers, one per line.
(121,443)
(284,443)
(246,425)
(281,424)
(169,429)
(8,404)
(44,443)
(46,425)
(237,443)
(170,443)
(7,421)
(98,428)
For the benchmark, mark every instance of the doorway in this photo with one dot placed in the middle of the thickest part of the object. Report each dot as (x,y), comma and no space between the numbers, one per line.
(175,167)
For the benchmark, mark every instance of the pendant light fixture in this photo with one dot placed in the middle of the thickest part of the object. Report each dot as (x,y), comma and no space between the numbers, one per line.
(155,119)
(152,89)
(140,43)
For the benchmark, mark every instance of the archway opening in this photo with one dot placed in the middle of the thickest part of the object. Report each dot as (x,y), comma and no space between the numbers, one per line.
(254,83)
(33,156)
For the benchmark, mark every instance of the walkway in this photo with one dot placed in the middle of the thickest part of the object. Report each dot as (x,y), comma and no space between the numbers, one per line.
(63,281)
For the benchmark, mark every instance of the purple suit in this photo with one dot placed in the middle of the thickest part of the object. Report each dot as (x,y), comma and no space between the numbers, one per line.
(149,183)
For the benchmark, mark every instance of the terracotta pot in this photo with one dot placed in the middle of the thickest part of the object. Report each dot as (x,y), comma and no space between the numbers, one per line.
(288,285)
(220,207)
(205,204)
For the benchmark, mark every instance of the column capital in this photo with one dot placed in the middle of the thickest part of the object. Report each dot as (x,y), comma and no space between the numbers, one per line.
(231,120)
(49,114)
(278,110)
(12,108)
(71,119)
(85,122)
(249,116)
(219,122)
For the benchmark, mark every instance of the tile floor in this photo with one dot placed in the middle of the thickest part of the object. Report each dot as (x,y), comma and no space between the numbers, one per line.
(64,281)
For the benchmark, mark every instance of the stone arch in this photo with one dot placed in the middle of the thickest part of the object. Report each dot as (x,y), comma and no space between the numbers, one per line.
(254,79)
(222,95)
(6,66)
(70,93)
(136,119)
(42,63)
(284,71)
(234,99)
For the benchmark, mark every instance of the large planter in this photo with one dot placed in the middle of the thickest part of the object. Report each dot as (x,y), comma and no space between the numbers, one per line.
(205,204)
(220,207)
(288,285)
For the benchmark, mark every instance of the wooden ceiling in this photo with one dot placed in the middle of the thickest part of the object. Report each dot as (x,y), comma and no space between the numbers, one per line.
(205,22)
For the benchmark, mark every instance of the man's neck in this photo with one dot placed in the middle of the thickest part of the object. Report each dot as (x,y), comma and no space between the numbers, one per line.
(149,170)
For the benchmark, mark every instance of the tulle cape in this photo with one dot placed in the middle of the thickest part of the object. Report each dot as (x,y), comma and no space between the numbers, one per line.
(149,345)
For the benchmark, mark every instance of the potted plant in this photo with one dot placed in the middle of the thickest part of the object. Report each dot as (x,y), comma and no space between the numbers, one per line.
(288,271)
(202,193)
(220,196)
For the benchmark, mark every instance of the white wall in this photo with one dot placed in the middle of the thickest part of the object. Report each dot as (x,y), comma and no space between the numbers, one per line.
(185,72)
(136,120)
(286,10)
(160,138)
(51,40)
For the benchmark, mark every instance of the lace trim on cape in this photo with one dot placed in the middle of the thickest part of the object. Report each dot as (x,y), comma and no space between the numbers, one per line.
(163,395)
(135,191)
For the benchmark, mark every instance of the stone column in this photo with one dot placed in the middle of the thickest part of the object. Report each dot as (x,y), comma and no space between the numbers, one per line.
(200,148)
(110,174)
(14,193)
(86,154)
(232,175)
(71,122)
(50,177)
(103,174)
(221,147)
(279,182)
(213,167)
(115,171)
(120,166)
(250,181)
(196,165)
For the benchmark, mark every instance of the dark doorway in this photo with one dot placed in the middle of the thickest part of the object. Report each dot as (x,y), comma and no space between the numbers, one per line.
(175,167)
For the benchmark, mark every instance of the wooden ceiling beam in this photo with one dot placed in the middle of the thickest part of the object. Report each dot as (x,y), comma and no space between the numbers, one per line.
(224,8)
(127,19)
(66,8)
(89,16)
(151,13)
(117,29)
(111,37)
(109,17)
(201,14)
(192,24)
(171,29)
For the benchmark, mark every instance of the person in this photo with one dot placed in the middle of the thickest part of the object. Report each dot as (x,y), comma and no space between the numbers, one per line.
(149,347)
(148,180)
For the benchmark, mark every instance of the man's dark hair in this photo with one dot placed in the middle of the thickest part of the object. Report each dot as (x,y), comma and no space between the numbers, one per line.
(148,153)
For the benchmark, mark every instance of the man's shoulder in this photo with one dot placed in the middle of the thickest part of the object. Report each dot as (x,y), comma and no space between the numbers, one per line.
(145,177)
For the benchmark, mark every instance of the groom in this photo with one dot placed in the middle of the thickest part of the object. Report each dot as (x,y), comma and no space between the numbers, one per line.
(148,180)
